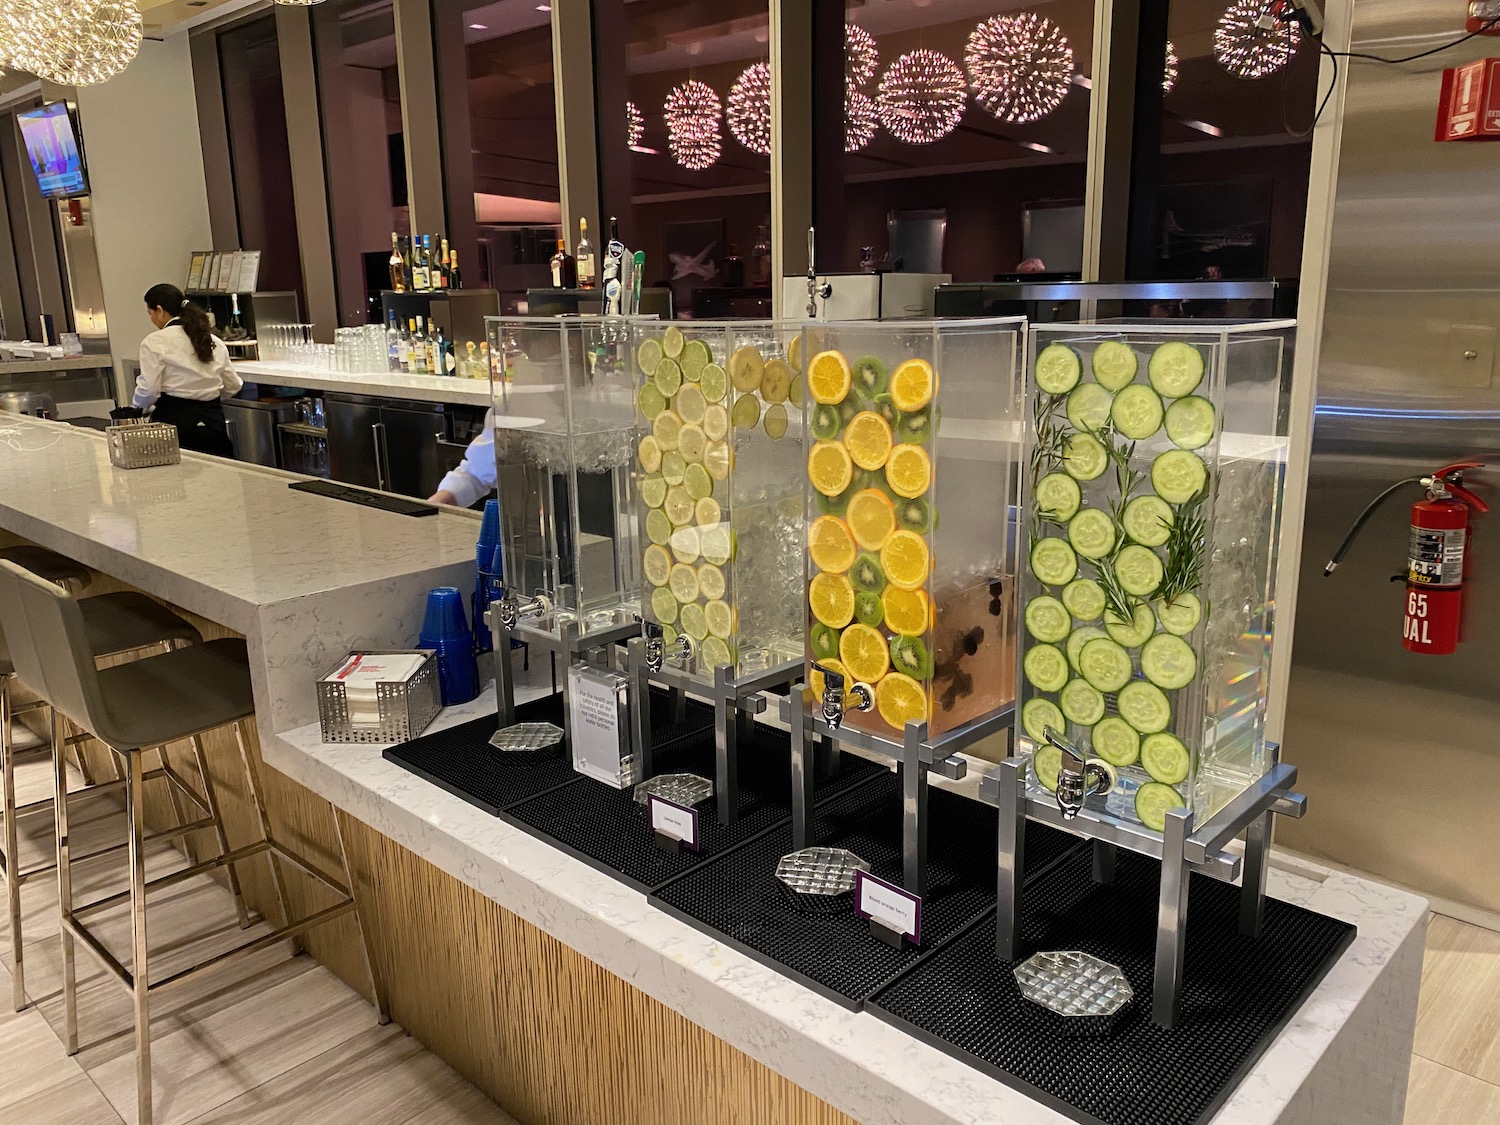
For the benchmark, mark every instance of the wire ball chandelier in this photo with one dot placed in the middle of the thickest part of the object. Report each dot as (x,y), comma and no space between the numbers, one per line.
(1169,75)
(1251,42)
(861,120)
(70,42)
(635,124)
(861,58)
(692,113)
(861,55)
(748,109)
(1020,67)
(921,97)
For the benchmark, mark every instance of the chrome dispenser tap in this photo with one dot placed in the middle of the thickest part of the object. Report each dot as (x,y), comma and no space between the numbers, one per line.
(814,290)
(1078,778)
(656,648)
(832,703)
(514,610)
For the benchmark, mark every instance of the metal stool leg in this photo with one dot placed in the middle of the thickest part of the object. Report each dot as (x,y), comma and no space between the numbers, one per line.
(140,968)
(64,884)
(377,980)
(211,797)
(253,781)
(12,850)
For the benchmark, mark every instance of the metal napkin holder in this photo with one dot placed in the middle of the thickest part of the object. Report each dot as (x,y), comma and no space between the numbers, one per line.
(141,444)
(406,707)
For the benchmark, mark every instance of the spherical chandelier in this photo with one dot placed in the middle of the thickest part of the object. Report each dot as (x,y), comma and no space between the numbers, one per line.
(861,55)
(93,42)
(635,124)
(692,113)
(748,109)
(1021,67)
(27,27)
(922,97)
(1246,48)
(1169,76)
(861,119)
(297,3)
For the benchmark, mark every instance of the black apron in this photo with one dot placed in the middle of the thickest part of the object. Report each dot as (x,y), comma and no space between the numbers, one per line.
(200,425)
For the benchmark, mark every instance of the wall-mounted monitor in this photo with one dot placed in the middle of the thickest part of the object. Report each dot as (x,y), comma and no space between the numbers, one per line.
(52,143)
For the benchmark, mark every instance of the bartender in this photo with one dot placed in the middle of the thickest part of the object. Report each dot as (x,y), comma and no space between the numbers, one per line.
(185,371)
(475,476)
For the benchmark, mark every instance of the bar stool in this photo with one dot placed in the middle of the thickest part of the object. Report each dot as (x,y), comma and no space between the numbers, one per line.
(49,565)
(115,624)
(133,708)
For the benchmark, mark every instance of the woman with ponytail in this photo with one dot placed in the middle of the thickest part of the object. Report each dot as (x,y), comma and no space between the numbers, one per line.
(185,371)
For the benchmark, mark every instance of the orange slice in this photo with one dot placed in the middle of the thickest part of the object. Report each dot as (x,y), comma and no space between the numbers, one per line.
(872,518)
(829,467)
(913,385)
(868,439)
(900,700)
(906,560)
(831,598)
(864,653)
(830,544)
(829,378)
(909,471)
(908,613)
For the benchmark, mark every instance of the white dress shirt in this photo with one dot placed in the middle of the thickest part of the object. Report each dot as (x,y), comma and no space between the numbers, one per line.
(476,475)
(169,366)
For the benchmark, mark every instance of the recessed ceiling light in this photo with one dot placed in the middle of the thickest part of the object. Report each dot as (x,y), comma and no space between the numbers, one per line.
(1083,81)
(479,27)
(1034,147)
(1204,127)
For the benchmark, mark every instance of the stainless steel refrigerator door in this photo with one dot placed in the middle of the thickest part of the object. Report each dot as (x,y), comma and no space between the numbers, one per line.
(353,456)
(408,449)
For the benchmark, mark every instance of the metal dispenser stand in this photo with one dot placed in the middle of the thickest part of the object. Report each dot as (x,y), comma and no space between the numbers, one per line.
(1182,848)
(736,702)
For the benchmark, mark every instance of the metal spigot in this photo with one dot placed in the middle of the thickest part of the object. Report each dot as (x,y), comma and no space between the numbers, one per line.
(814,290)
(1078,778)
(514,610)
(833,705)
(657,653)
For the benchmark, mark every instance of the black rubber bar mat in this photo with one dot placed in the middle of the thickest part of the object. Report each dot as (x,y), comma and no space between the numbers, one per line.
(461,760)
(605,828)
(1238,994)
(820,941)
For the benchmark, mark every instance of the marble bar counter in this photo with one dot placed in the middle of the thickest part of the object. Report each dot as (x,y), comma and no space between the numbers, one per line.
(412,388)
(43,365)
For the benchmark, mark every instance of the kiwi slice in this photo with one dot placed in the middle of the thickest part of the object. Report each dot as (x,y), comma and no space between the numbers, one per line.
(826,422)
(836,505)
(870,377)
(914,515)
(883,406)
(910,656)
(868,610)
(848,409)
(825,642)
(916,427)
(866,574)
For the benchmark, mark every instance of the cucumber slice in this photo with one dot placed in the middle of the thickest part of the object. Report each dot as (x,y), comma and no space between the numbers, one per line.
(1077,639)
(1152,803)
(1144,706)
(1092,533)
(1058,369)
(1084,598)
(1137,412)
(1175,369)
(1190,422)
(1058,497)
(1047,620)
(1178,476)
(1165,758)
(1081,703)
(1053,562)
(1148,520)
(1085,458)
(1047,762)
(1134,633)
(1088,406)
(1046,667)
(1168,661)
(1105,664)
(1115,364)
(1179,617)
(1039,714)
(1139,570)
(1116,742)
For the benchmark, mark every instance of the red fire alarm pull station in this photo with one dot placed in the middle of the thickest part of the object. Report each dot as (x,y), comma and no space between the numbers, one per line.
(1470,105)
(1484,17)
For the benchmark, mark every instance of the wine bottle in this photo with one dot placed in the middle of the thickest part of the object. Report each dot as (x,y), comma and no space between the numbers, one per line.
(445,272)
(587,271)
(398,265)
(455,278)
(420,278)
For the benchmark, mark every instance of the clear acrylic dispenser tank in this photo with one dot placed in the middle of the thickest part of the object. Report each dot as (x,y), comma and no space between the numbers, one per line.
(1156,454)
(914,433)
(562,397)
(719,488)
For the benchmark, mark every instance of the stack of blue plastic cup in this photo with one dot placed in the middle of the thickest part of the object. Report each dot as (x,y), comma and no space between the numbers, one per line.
(446,631)
(486,550)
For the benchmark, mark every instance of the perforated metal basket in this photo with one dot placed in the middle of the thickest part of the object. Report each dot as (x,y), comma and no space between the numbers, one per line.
(142,445)
(406,706)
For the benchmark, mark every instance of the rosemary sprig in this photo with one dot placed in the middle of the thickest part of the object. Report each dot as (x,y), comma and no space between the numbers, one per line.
(1187,545)
(1051,438)
(1116,600)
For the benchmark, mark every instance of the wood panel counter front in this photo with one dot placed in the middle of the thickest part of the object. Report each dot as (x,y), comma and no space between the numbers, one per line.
(559,991)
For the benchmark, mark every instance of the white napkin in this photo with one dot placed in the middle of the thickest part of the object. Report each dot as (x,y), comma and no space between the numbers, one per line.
(360,676)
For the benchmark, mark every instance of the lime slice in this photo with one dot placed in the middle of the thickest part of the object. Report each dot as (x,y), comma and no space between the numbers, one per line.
(1147,520)
(746,412)
(694,621)
(1115,364)
(647,356)
(668,377)
(672,341)
(683,582)
(656,563)
(715,653)
(658,527)
(1088,406)
(714,382)
(707,511)
(1178,476)
(716,421)
(718,544)
(685,544)
(679,506)
(690,404)
(1058,497)
(673,468)
(1092,533)
(1085,458)
(698,483)
(652,402)
(775,421)
(720,618)
(692,443)
(653,491)
(663,605)
(718,458)
(711,583)
(666,427)
(695,357)
(650,454)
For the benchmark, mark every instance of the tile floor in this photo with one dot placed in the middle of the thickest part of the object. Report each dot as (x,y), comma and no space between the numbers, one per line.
(278,1039)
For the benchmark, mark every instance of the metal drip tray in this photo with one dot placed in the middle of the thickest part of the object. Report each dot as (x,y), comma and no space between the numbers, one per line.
(820,871)
(1074,984)
(685,789)
(521,737)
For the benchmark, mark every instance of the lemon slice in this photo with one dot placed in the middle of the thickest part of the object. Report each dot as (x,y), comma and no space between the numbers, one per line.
(912,385)
(666,427)
(686,544)
(679,506)
(672,341)
(673,468)
(908,613)
(872,518)
(650,454)
(656,563)
(653,491)
(663,605)
(718,459)
(692,443)
(717,544)
(909,471)
(707,512)
(714,382)
(690,404)
(868,439)
(830,544)
(776,381)
(829,378)
(775,421)
(720,619)
(831,598)
(683,582)
(794,353)
(715,652)
(906,560)
(711,583)
(651,401)
(829,467)
(647,356)
(899,699)
(863,651)
(715,421)
(693,621)
(658,527)
(698,484)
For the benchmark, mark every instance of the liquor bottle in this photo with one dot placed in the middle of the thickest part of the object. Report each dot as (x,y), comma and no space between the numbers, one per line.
(407,329)
(614,229)
(455,278)
(421,279)
(236,329)
(429,250)
(398,265)
(392,344)
(557,265)
(418,349)
(760,257)
(587,274)
(445,272)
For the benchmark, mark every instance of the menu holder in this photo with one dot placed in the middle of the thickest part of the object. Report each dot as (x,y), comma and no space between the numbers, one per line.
(197,263)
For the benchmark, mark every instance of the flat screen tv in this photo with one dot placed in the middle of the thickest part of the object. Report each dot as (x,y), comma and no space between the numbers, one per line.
(51,137)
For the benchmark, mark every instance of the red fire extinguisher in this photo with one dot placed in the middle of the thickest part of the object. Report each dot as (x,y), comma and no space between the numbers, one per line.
(1437,562)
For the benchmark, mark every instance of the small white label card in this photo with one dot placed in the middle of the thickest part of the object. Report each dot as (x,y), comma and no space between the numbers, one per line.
(674,821)
(598,724)
(888,905)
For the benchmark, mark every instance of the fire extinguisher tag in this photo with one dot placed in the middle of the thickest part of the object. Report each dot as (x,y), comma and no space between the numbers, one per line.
(1436,557)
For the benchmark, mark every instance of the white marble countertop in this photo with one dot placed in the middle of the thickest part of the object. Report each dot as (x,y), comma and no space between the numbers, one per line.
(413,388)
(304,578)
(1359,1019)
(42,364)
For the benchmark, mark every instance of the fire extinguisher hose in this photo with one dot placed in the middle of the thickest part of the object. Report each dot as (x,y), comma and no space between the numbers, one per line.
(1364,517)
